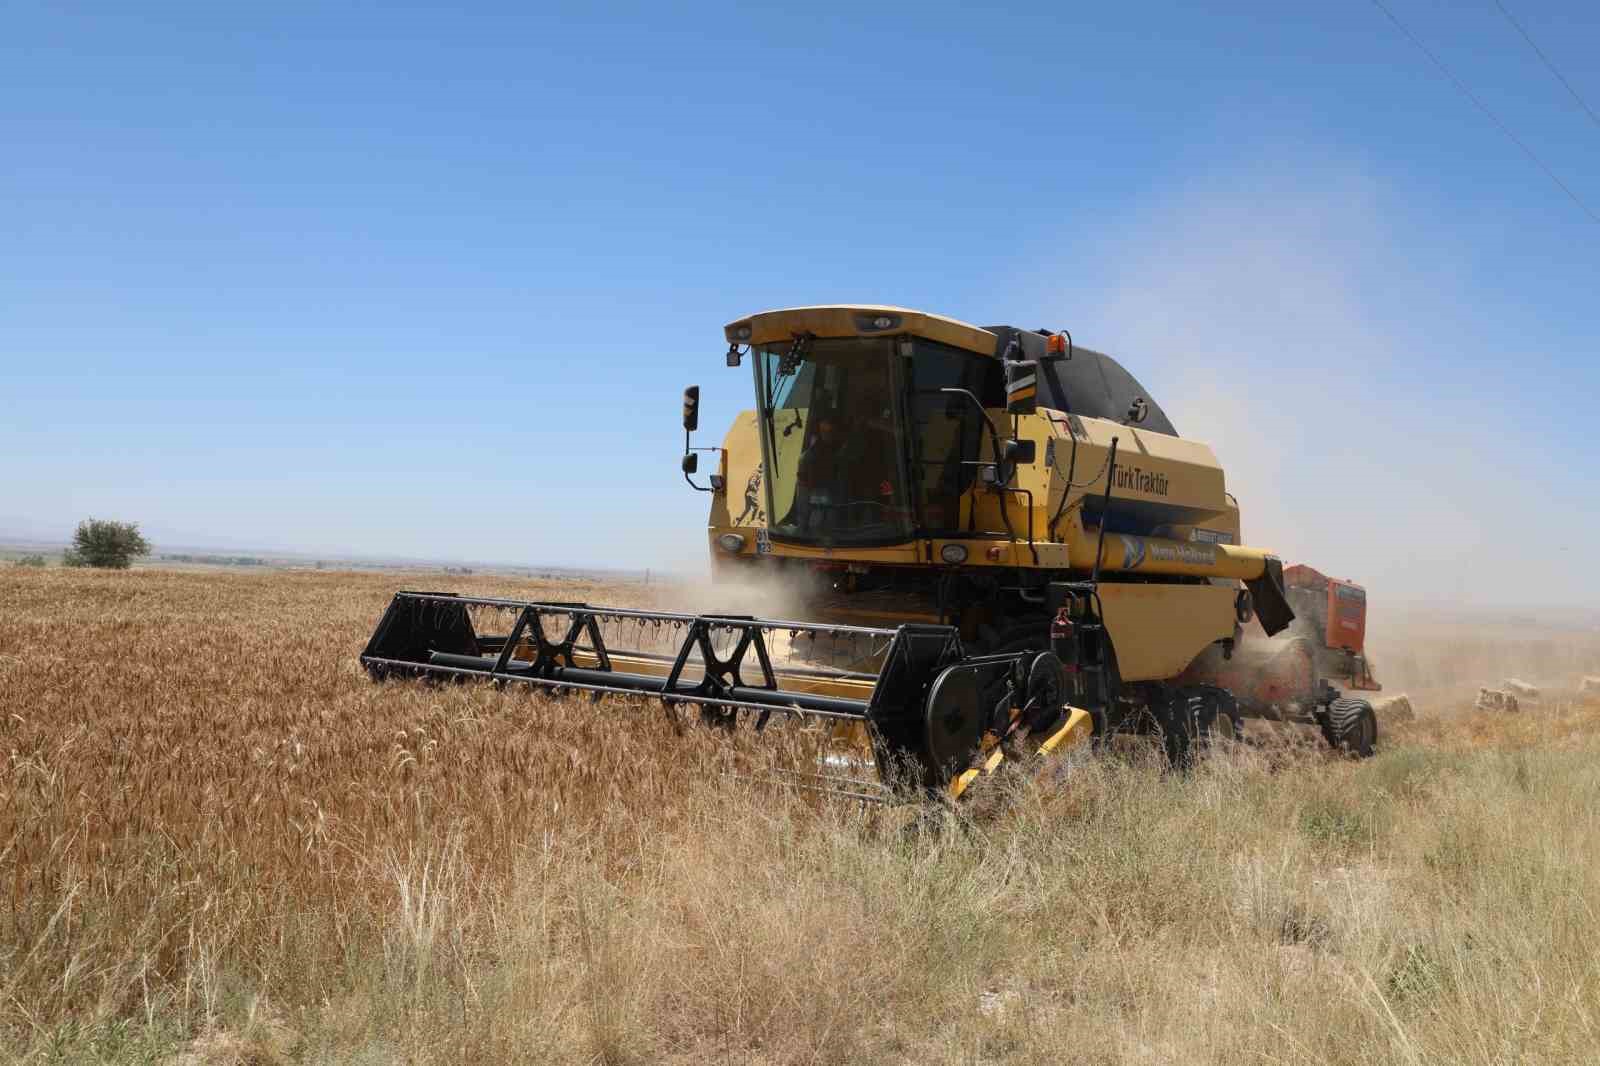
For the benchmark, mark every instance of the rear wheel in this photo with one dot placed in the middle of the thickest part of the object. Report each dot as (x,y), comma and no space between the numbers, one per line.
(1228,727)
(1352,727)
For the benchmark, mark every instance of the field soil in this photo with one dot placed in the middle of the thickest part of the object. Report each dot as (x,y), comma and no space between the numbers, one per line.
(221,843)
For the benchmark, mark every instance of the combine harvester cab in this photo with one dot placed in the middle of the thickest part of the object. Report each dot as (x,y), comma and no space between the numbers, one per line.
(936,716)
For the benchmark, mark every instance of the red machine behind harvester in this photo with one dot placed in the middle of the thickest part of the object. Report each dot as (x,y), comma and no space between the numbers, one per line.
(1299,674)
(1337,612)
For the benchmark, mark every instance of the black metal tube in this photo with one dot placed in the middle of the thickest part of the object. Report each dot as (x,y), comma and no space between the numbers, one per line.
(603,613)
(810,702)
(851,715)
(1105,512)
(787,671)
(647,684)
(1031,547)
(994,447)
(1066,491)
(479,663)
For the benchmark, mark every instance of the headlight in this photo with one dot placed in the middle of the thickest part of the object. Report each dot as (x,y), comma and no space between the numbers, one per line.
(733,543)
(953,553)
(877,323)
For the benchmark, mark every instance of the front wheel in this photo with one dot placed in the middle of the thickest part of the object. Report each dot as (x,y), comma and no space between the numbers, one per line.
(1198,720)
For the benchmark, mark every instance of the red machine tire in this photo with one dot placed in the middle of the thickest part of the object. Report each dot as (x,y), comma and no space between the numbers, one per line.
(1352,727)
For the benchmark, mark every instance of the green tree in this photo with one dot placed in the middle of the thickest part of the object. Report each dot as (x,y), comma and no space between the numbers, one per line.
(113,545)
(32,560)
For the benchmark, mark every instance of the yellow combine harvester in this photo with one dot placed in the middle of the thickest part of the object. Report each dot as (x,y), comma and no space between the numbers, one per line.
(1000,544)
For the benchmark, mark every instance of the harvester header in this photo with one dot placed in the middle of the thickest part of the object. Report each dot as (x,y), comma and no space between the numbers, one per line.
(926,705)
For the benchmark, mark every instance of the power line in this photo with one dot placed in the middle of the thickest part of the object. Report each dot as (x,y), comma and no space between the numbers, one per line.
(1481,106)
(1551,67)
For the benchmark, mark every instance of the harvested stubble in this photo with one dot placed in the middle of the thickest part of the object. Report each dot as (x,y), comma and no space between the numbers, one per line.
(221,842)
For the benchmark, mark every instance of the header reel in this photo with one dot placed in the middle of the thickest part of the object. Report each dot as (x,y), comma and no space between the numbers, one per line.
(934,714)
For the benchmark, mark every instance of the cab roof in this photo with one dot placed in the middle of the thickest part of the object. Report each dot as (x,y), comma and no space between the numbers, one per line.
(857,320)
(1091,383)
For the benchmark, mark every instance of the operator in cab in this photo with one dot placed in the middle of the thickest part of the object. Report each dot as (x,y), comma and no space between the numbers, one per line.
(849,469)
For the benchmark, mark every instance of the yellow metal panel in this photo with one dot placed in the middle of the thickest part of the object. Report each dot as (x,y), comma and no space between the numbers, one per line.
(1158,629)
(1153,469)
(742,505)
(959,785)
(1079,727)
(911,552)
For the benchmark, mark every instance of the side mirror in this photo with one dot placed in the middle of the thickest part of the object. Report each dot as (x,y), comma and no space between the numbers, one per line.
(691,422)
(691,408)
(1020,452)
(1022,387)
(734,355)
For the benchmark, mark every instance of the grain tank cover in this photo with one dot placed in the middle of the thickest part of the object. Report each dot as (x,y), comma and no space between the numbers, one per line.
(1091,383)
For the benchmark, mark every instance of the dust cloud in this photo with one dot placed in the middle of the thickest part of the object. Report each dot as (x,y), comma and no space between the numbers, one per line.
(763,594)
(1448,658)
(1339,375)
(1290,316)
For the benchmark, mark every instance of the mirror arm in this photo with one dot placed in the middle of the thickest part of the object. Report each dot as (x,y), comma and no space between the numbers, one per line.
(691,422)
(994,435)
(994,443)
(687,452)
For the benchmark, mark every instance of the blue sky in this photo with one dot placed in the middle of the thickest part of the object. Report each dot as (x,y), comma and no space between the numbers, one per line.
(407,280)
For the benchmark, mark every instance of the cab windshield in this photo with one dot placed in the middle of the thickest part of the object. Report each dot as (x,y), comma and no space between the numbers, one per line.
(835,468)
(862,446)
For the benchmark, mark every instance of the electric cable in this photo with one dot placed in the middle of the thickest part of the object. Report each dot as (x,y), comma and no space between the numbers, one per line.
(1551,67)
(1481,106)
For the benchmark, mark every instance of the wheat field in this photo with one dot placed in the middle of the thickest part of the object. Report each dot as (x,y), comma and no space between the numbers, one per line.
(220,843)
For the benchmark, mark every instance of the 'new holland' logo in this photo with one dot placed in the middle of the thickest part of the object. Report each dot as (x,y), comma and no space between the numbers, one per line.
(1136,550)
(1132,553)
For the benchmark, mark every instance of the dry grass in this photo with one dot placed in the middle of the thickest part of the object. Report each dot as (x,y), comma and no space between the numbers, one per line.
(220,843)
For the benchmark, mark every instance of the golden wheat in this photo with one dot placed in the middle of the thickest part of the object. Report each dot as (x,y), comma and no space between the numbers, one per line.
(220,841)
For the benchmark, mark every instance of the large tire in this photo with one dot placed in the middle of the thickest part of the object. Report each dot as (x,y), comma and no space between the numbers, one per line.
(1198,720)
(1228,728)
(1352,727)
